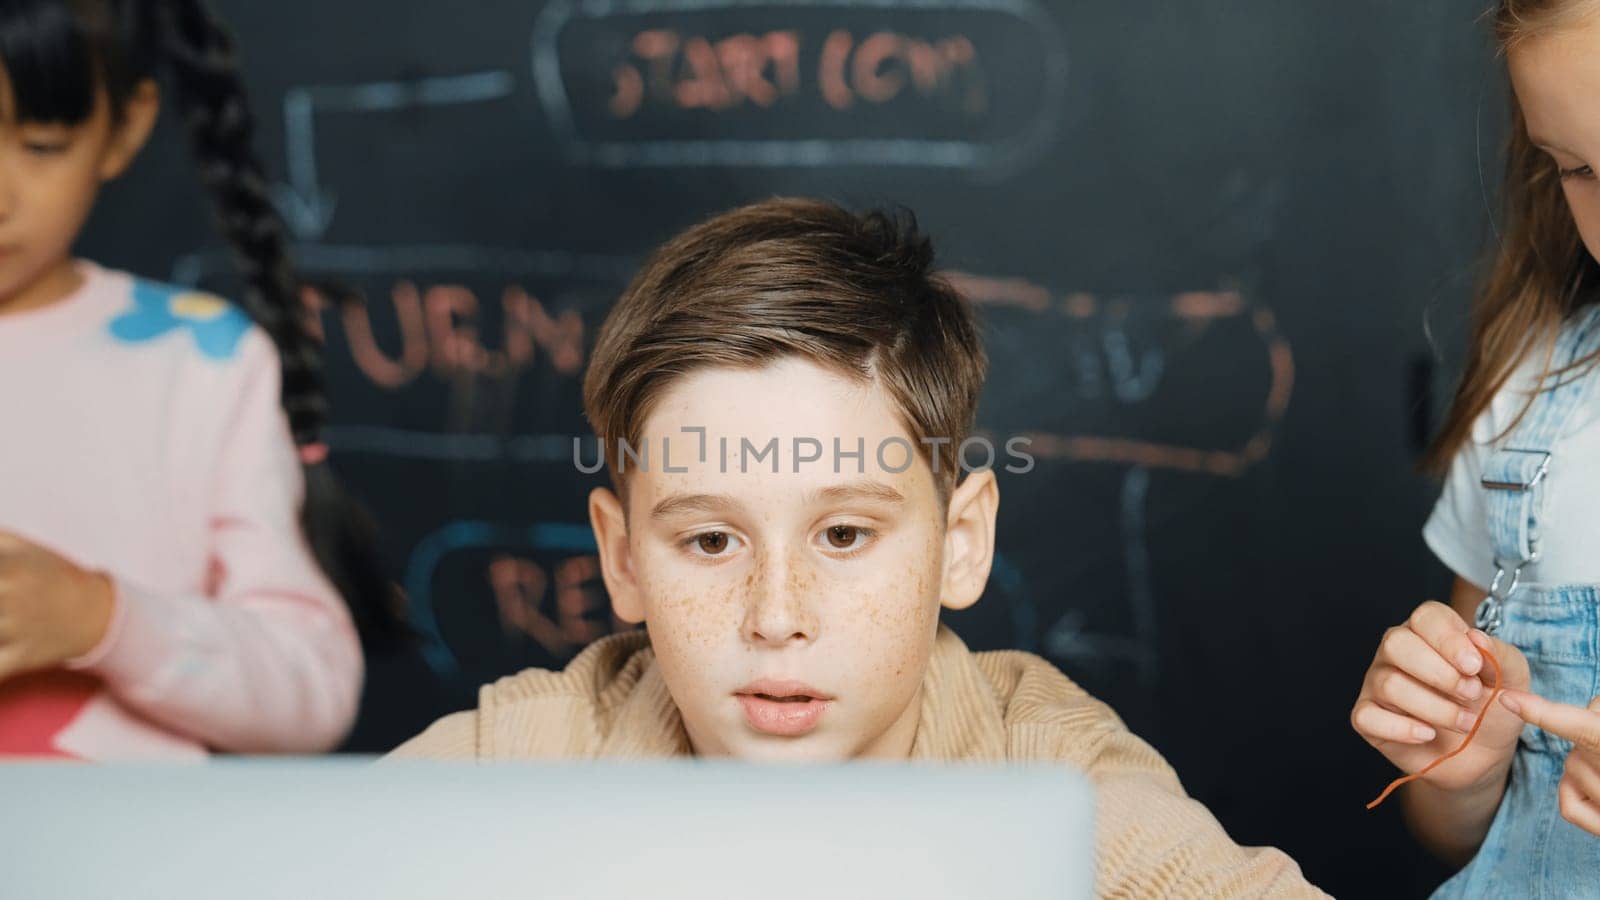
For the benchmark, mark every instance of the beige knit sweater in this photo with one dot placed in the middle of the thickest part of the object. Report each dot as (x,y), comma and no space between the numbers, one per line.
(1153,840)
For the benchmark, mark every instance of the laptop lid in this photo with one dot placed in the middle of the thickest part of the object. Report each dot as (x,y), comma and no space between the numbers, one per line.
(344,828)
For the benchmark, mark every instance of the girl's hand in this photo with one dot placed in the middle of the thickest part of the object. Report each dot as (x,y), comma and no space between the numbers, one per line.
(50,609)
(1579,790)
(1424,690)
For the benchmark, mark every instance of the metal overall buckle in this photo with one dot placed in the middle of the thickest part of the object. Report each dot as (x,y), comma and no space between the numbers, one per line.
(1488,616)
(1533,480)
(1490,611)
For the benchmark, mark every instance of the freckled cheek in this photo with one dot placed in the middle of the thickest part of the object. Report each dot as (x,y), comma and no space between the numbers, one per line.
(891,624)
(694,616)
(687,633)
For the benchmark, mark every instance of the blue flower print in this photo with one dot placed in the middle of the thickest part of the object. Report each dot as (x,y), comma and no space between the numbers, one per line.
(216,324)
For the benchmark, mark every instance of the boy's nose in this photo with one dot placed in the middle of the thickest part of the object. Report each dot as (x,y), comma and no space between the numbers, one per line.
(779,609)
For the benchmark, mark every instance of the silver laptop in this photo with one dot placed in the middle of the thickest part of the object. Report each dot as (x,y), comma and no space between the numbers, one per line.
(345,828)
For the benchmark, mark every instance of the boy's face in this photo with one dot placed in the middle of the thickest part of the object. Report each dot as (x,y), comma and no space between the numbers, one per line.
(792,613)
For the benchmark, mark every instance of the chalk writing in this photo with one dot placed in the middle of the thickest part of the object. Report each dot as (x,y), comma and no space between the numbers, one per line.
(521,585)
(686,72)
(695,73)
(975,84)
(439,331)
(518,583)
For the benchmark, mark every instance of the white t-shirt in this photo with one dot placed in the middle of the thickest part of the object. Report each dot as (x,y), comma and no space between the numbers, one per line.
(1569,523)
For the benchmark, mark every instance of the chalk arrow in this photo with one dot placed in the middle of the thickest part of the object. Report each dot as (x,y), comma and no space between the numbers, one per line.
(307,213)
(307,207)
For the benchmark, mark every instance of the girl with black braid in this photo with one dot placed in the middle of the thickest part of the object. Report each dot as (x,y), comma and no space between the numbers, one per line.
(173,548)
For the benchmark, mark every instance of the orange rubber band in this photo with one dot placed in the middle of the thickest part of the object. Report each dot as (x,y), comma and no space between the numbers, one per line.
(1499,685)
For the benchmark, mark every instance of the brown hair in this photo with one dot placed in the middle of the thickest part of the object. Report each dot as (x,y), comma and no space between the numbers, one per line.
(1542,272)
(855,294)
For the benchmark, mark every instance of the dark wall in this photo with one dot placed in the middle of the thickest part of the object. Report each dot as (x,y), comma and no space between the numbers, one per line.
(1203,237)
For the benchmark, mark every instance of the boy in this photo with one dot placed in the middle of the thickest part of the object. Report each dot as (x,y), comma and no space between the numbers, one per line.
(782,395)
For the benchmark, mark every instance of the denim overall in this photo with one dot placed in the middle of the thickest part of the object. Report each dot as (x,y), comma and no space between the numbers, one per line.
(1530,850)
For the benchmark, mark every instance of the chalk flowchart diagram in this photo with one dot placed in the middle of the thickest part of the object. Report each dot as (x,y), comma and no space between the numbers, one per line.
(1106,355)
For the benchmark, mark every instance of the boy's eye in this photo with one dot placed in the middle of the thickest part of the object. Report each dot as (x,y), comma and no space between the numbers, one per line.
(712,543)
(847,537)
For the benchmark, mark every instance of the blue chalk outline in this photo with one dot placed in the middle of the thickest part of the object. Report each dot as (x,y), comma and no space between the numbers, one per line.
(431,550)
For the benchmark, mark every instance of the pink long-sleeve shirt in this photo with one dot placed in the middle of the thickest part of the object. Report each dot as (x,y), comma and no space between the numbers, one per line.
(141,434)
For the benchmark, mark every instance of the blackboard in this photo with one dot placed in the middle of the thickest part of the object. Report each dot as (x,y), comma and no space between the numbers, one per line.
(1204,238)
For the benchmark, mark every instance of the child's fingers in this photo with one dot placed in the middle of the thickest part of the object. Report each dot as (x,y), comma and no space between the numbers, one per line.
(1584,772)
(1377,724)
(1576,724)
(1576,808)
(1409,652)
(1398,691)
(1514,667)
(1446,633)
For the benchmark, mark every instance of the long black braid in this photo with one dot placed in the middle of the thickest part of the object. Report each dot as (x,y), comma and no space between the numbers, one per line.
(211,101)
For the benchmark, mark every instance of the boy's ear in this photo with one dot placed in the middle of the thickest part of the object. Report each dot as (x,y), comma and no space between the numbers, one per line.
(969,539)
(616,565)
(130,133)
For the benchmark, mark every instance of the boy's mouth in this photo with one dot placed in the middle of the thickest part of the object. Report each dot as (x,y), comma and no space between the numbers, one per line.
(783,709)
